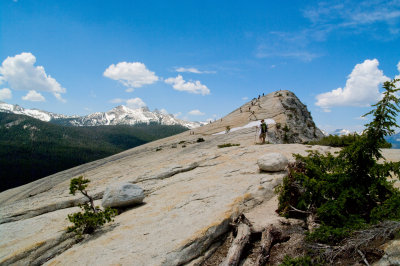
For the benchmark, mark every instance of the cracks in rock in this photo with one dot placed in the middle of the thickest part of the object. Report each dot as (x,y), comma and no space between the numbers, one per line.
(171,172)
(46,209)
(192,200)
(197,247)
(245,152)
(43,251)
(40,192)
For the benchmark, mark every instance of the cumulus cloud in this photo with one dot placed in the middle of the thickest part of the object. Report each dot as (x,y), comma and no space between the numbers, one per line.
(133,103)
(196,112)
(131,75)
(362,87)
(34,96)
(398,68)
(21,73)
(5,94)
(193,70)
(180,84)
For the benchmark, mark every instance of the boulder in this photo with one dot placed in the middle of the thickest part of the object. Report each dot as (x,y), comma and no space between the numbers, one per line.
(272,162)
(122,195)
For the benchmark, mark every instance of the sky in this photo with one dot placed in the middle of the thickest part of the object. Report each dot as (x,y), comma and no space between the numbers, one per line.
(198,60)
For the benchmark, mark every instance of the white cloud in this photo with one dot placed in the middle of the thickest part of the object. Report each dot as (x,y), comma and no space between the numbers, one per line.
(190,70)
(193,70)
(21,73)
(398,68)
(133,103)
(59,97)
(5,94)
(131,75)
(362,87)
(245,98)
(34,96)
(178,114)
(196,112)
(378,17)
(180,84)
(118,100)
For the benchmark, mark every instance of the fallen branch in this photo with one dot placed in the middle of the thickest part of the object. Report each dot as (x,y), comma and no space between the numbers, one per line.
(270,236)
(363,257)
(297,210)
(242,238)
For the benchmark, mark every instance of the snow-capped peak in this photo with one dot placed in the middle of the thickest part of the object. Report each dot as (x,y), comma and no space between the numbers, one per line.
(120,115)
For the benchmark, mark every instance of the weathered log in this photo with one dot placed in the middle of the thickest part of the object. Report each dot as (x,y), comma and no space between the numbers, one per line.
(267,237)
(270,236)
(242,238)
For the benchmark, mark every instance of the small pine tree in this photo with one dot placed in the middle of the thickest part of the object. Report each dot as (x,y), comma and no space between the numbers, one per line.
(92,217)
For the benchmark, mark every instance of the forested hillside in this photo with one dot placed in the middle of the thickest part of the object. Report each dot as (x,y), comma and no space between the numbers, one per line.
(31,149)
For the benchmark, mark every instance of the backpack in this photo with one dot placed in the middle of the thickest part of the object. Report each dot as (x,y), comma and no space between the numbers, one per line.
(264,128)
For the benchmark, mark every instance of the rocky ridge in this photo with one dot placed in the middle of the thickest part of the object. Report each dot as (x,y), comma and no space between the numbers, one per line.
(193,191)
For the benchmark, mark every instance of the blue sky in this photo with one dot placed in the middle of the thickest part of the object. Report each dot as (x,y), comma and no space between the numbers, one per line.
(198,59)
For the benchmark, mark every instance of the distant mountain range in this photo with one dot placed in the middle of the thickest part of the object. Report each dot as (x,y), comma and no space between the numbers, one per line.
(394,139)
(120,115)
(341,132)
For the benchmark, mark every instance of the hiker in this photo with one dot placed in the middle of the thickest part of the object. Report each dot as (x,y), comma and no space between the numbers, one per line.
(263,94)
(264,130)
(240,109)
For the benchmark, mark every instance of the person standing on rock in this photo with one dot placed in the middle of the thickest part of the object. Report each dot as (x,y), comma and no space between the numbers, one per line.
(263,133)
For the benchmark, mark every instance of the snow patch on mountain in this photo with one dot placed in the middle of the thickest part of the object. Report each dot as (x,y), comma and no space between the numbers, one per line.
(342,132)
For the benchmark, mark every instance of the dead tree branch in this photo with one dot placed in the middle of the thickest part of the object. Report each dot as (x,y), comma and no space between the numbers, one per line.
(242,238)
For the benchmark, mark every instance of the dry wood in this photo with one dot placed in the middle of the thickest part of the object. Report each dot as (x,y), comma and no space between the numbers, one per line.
(267,238)
(270,236)
(363,257)
(297,210)
(242,238)
(311,224)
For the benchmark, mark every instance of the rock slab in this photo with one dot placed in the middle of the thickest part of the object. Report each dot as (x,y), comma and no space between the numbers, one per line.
(122,195)
(272,162)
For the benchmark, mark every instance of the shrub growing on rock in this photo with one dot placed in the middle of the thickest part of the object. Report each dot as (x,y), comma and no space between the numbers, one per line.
(349,191)
(92,217)
(225,145)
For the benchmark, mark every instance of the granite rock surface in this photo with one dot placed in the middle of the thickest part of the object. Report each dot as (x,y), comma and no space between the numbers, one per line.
(193,191)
